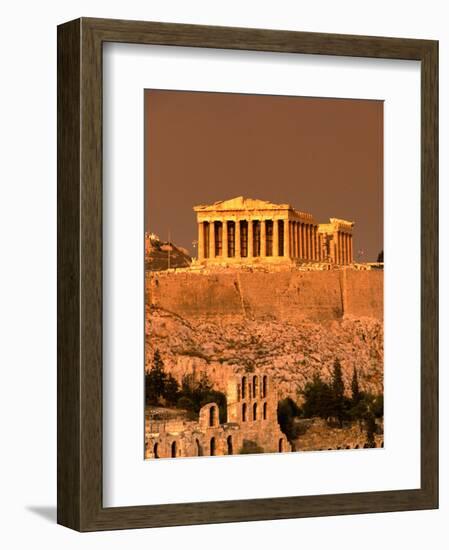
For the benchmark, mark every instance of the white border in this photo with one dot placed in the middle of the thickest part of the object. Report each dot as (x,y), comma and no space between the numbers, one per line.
(128,479)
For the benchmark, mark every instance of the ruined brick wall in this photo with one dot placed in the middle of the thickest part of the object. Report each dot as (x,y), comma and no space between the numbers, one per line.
(284,295)
(318,436)
(256,395)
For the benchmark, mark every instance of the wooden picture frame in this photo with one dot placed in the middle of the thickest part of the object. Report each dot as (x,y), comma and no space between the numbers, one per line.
(80,504)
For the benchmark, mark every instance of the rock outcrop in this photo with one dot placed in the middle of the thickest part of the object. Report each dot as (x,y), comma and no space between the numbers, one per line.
(289,324)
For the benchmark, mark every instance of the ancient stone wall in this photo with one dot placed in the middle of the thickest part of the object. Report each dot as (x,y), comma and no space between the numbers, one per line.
(319,436)
(284,295)
(252,417)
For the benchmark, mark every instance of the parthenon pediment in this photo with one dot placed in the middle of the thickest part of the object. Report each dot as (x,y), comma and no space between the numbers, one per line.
(240,203)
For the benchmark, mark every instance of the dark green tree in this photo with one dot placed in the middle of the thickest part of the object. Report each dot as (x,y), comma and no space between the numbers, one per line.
(155,381)
(355,389)
(198,393)
(171,390)
(287,411)
(370,431)
(378,406)
(317,399)
(339,407)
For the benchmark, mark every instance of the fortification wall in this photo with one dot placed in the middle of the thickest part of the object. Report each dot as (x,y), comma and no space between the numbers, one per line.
(282,295)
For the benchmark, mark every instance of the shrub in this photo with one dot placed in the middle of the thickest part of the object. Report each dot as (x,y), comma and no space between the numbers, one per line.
(287,411)
(250,447)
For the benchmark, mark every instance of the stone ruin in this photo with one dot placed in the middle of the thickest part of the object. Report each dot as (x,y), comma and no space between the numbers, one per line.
(251,417)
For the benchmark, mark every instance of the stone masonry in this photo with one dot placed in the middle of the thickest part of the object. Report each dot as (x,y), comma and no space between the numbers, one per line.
(243,230)
(251,416)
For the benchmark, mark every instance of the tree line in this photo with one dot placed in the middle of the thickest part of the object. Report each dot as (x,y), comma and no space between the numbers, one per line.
(162,389)
(328,400)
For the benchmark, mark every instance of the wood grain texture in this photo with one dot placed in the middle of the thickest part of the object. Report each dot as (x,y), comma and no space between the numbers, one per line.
(80,274)
(69,409)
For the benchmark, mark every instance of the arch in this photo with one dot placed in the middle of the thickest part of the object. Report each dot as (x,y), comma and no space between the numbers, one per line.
(281,445)
(173,449)
(356,447)
(212,416)
(255,384)
(229,444)
(255,411)
(199,450)
(382,445)
(212,446)
(155,450)
(244,412)
(244,387)
(264,386)
(264,411)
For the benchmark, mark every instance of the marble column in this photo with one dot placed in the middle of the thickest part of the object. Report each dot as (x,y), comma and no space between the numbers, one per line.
(334,248)
(292,239)
(309,242)
(298,240)
(211,239)
(275,245)
(351,257)
(286,239)
(200,241)
(313,243)
(347,248)
(224,239)
(340,248)
(237,247)
(263,238)
(250,239)
(292,242)
(301,244)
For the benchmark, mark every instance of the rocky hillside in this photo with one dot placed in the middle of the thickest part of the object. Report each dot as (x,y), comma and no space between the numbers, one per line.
(291,352)
(160,256)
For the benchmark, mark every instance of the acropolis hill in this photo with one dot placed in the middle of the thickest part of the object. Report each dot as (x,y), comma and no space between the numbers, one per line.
(271,290)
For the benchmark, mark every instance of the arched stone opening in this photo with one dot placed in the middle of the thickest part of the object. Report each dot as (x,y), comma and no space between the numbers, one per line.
(212,416)
(199,450)
(264,411)
(155,451)
(264,386)
(243,387)
(229,444)
(255,386)
(173,449)
(212,446)
(255,411)
(244,412)
(281,445)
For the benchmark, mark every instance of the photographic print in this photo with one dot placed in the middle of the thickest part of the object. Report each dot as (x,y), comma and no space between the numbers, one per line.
(263,274)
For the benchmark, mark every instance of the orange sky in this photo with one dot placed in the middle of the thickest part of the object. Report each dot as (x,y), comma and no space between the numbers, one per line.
(323,156)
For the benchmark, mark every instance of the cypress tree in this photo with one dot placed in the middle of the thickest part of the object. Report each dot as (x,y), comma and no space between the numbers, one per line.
(155,380)
(338,392)
(355,388)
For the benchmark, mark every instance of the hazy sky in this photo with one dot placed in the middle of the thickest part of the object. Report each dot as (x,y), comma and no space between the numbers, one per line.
(323,156)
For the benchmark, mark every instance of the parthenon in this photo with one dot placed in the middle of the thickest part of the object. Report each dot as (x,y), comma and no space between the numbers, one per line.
(244,230)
